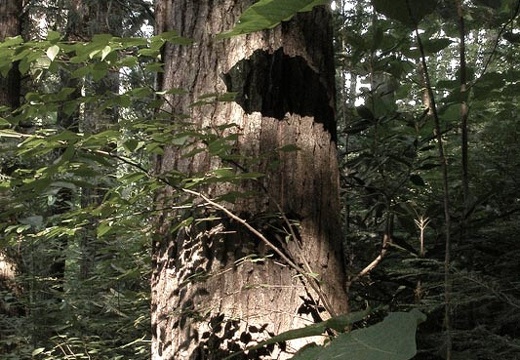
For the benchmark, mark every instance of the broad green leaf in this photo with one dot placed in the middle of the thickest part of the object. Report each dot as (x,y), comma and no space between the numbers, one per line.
(154,67)
(432,46)
(11,41)
(174,38)
(417,180)
(128,61)
(391,339)
(103,228)
(224,173)
(99,71)
(266,14)
(131,144)
(132,177)
(409,12)
(148,52)
(133,41)
(4,122)
(53,51)
(157,41)
(67,155)
(53,36)
(179,140)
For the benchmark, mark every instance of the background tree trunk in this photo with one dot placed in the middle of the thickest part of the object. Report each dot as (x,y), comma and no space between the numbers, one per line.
(10,290)
(10,26)
(208,298)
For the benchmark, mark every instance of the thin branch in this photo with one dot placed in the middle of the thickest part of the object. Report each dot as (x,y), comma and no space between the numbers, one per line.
(375,262)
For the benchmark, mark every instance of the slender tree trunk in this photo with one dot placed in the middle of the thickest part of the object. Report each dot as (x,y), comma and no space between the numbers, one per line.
(464,115)
(208,297)
(87,18)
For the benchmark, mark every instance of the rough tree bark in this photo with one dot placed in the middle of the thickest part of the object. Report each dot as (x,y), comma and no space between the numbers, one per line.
(10,26)
(208,297)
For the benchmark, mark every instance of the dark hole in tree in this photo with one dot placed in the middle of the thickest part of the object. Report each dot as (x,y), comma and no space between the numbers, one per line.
(276,84)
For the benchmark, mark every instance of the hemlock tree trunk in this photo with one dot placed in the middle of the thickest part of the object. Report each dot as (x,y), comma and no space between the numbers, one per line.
(215,287)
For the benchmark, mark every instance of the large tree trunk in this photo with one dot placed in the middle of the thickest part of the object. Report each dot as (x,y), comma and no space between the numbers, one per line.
(208,297)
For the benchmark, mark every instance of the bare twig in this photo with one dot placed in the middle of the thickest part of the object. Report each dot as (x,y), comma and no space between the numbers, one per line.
(386,241)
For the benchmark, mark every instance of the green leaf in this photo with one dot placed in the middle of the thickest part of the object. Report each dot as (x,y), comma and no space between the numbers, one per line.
(157,41)
(4,122)
(266,14)
(179,140)
(128,61)
(391,339)
(53,36)
(417,180)
(409,12)
(224,173)
(11,41)
(37,351)
(132,177)
(52,52)
(131,144)
(103,228)
(432,46)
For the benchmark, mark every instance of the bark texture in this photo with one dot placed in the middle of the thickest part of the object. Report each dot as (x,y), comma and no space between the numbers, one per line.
(10,26)
(215,287)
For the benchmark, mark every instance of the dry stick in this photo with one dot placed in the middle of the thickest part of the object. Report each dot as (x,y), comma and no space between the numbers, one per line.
(375,262)
(445,185)
(260,236)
